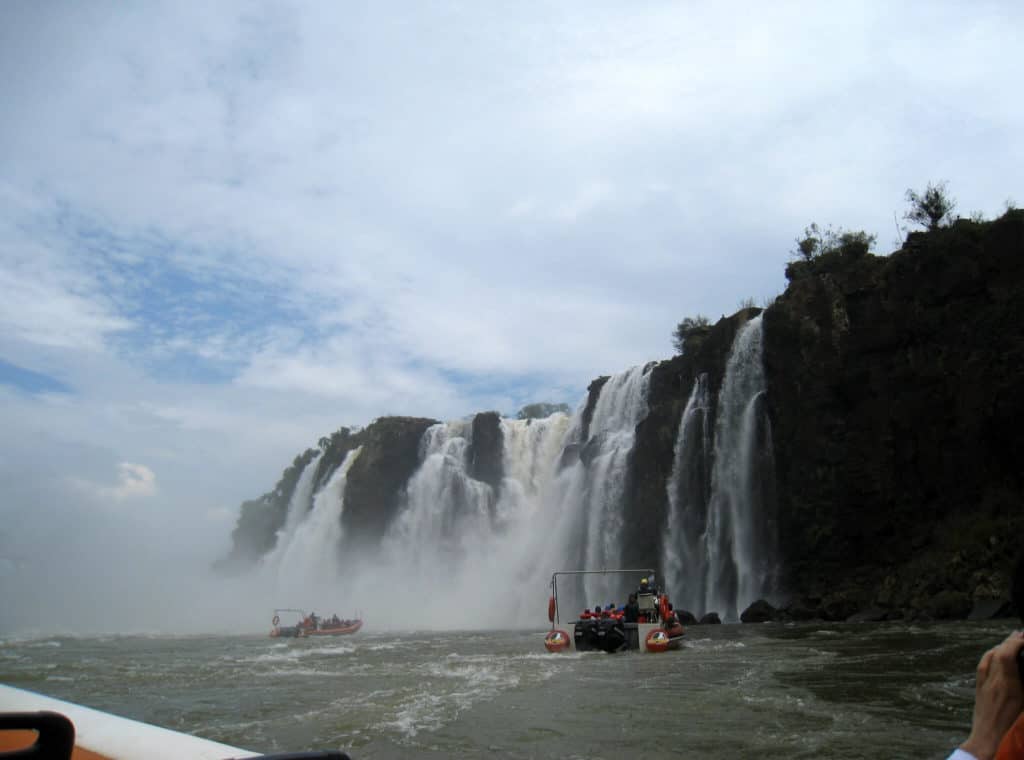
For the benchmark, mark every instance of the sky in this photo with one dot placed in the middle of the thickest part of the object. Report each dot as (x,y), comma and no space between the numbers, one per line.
(227,229)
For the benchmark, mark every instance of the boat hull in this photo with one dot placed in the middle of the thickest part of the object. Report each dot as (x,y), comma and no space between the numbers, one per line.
(100,735)
(614,636)
(344,630)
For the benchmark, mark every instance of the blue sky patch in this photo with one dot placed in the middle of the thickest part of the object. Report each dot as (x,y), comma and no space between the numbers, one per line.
(196,317)
(30,381)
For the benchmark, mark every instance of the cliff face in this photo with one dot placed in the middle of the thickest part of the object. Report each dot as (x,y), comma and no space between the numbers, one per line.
(377,478)
(895,394)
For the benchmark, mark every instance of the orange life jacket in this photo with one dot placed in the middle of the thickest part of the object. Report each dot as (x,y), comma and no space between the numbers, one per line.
(1012,745)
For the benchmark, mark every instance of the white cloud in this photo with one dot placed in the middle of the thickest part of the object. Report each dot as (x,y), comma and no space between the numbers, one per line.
(134,482)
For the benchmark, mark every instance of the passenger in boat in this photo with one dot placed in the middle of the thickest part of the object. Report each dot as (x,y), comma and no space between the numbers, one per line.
(334,620)
(631,612)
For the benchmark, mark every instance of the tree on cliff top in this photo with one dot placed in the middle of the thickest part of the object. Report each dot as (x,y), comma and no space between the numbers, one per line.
(932,208)
(818,242)
(689,328)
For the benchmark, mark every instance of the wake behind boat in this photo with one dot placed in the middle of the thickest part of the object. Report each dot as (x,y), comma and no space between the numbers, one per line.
(304,625)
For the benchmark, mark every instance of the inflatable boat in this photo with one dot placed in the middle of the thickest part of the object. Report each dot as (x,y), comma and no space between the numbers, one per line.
(310,625)
(650,626)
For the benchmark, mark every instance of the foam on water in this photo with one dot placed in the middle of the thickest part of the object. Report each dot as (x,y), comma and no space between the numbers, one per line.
(734,691)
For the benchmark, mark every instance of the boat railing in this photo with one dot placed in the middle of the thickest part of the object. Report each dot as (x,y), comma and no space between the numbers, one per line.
(606,571)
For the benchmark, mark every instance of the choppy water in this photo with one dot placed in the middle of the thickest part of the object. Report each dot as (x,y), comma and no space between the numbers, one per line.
(850,691)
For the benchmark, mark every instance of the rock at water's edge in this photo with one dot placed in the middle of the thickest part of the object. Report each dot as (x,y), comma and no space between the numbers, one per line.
(758,612)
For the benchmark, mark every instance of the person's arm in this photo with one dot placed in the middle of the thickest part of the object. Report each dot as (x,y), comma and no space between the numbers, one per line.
(998,699)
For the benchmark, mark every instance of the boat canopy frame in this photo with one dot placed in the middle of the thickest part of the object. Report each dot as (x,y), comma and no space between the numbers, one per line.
(554,580)
(279,610)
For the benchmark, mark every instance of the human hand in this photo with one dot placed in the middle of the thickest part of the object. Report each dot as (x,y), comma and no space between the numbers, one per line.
(998,697)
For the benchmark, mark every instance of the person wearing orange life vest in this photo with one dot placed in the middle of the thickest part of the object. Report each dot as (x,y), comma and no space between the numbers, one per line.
(997,729)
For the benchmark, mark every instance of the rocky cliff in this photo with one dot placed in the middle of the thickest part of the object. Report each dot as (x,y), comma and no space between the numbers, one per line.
(896,398)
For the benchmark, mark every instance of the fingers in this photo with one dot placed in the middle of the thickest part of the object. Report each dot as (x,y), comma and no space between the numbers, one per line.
(985,665)
(1006,653)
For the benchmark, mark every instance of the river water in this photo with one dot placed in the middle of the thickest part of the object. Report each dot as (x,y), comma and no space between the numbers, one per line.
(771,690)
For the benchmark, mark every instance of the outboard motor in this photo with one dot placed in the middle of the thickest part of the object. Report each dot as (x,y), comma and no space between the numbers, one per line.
(585,635)
(611,635)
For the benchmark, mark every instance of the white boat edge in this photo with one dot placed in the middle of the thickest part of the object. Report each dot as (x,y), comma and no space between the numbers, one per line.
(112,736)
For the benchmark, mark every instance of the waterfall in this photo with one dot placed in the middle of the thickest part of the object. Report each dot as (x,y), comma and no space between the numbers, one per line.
(447,512)
(683,554)
(595,489)
(461,553)
(739,539)
(310,559)
(298,506)
(464,553)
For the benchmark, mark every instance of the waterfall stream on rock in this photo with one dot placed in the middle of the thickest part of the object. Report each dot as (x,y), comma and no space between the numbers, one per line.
(738,540)
(307,560)
(688,492)
(298,508)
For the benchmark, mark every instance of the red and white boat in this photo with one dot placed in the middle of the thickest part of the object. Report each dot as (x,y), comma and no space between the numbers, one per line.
(655,629)
(311,625)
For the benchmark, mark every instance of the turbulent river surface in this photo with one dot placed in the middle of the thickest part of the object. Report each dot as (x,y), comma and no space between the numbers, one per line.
(771,690)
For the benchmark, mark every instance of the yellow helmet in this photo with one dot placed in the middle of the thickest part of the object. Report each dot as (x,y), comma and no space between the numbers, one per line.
(643,581)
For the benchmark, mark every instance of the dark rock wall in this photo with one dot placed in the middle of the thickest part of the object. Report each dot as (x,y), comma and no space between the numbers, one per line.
(376,481)
(486,449)
(896,399)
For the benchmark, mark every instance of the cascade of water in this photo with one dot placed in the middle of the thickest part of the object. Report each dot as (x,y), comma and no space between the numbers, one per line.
(594,493)
(739,537)
(460,555)
(687,490)
(311,557)
(298,507)
(447,511)
(457,544)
